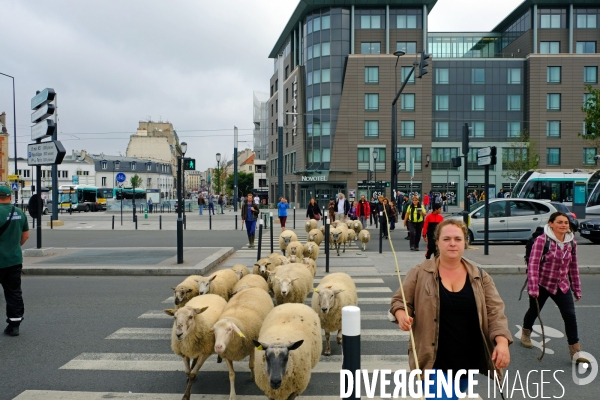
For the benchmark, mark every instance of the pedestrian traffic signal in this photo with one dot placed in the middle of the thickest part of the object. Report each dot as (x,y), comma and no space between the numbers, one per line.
(456,162)
(423,64)
(189,164)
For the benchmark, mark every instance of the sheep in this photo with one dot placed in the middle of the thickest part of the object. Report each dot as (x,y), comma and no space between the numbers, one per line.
(238,326)
(336,224)
(186,290)
(316,236)
(311,265)
(295,248)
(240,270)
(285,238)
(311,249)
(336,237)
(322,229)
(251,281)
(278,259)
(356,226)
(290,344)
(192,337)
(351,236)
(262,266)
(220,283)
(292,259)
(310,225)
(333,293)
(364,236)
(292,283)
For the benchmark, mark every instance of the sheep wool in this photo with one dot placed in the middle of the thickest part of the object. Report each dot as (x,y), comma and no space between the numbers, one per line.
(285,238)
(186,290)
(295,248)
(356,226)
(364,236)
(220,283)
(311,265)
(251,281)
(311,249)
(316,236)
(335,291)
(337,237)
(310,225)
(262,266)
(282,329)
(277,259)
(351,236)
(240,270)
(292,283)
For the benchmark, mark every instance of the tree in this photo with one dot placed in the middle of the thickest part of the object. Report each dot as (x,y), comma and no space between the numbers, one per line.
(220,174)
(591,108)
(245,183)
(136,181)
(520,157)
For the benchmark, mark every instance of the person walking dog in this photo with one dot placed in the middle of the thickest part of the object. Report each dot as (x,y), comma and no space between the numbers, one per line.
(249,217)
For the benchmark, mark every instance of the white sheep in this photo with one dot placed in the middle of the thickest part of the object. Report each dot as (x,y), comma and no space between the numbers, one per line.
(310,225)
(311,265)
(336,224)
(311,249)
(240,270)
(295,248)
(364,236)
(220,283)
(351,236)
(186,290)
(356,226)
(337,237)
(285,238)
(251,281)
(292,283)
(262,266)
(316,236)
(322,229)
(277,259)
(237,327)
(333,293)
(290,344)
(192,337)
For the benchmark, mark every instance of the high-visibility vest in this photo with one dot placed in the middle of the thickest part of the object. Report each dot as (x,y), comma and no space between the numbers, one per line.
(414,213)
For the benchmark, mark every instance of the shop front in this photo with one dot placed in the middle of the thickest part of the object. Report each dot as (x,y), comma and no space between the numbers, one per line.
(318,186)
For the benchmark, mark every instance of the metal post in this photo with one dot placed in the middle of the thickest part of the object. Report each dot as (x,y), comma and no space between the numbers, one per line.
(271,227)
(465,151)
(260,228)
(121,206)
(160,222)
(486,223)
(15,132)
(235,169)
(179,215)
(294,217)
(184,222)
(51,222)
(236,224)
(113,222)
(136,222)
(327,243)
(323,215)
(380,232)
(38,182)
(351,346)
(54,166)
(209,221)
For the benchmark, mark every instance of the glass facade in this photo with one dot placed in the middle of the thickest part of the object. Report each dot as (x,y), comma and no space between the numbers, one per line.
(464,45)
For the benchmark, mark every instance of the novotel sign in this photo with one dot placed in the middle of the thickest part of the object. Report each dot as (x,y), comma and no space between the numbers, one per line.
(321,178)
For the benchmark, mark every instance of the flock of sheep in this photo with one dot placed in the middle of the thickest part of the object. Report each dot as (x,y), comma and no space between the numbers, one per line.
(231,313)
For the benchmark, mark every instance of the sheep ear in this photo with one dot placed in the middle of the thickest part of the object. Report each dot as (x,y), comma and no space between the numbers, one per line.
(338,291)
(170,312)
(257,265)
(294,346)
(293,280)
(329,287)
(200,310)
(267,264)
(212,278)
(189,290)
(173,288)
(259,346)
(237,330)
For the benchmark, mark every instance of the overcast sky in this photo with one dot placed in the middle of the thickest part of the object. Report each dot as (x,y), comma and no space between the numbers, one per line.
(194,63)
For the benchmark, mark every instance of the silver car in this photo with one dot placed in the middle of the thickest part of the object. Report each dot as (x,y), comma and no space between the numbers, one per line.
(510,219)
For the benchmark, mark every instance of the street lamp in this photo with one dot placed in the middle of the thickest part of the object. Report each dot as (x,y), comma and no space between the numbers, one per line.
(218,156)
(394,169)
(375,154)
(428,160)
(183,147)
(15,129)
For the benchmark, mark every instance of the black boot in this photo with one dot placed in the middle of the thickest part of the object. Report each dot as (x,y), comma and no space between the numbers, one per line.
(250,241)
(12,330)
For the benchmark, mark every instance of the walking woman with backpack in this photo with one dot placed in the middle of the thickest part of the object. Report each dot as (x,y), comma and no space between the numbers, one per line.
(552,272)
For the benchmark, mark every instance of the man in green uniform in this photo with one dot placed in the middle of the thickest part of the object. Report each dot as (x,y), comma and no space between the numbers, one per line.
(14,232)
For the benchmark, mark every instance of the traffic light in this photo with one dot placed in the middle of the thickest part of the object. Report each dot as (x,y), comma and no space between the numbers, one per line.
(493,155)
(189,164)
(456,162)
(423,64)
(465,139)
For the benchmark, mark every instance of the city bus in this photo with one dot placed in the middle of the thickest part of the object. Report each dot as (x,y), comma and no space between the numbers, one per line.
(78,198)
(128,193)
(555,185)
(104,195)
(593,201)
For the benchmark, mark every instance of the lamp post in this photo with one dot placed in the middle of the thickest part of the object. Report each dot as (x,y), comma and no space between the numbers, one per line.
(183,147)
(219,175)
(394,177)
(375,154)
(15,129)
(133,182)
(235,169)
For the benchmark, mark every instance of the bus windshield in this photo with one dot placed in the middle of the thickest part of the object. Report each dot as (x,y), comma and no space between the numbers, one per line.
(520,183)
(68,198)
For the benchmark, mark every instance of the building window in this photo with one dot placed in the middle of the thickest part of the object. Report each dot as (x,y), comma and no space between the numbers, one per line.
(553,156)
(478,103)
(442,76)
(408,129)
(103,181)
(549,47)
(380,158)
(586,97)
(408,101)
(478,129)
(401,157)
(553,129)
(286,95)
(513,129)
(441,158)
(271,90)
(104,165)
(589,156)
(407,47)
(325,102)
(406,22)
(325,75)
(371,128)
(514,76)
(65,174)
(272,109)
(370,48)
(372,101)
(415,154)
(590,74)
(441,103)
(551,21)
(442,129)
(276,84)
(309,104)
(404,72)
(370,22)
(117,165)
(553,74)
(514,154)
(585,47)
(149,182)
(553,101)
(478,76)
(514,102)
(371,74)
(287,71)
(276,105)
(325,128)
(586,21)
(326,155)
(364,159)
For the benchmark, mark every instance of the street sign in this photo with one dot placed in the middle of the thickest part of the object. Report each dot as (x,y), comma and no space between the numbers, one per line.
(47,153)
(120,177)
(13,177)
(43,97)
(14,187)
(42,112)
(487,160)
(486,156)
(43,129)
(189,164)
(483,152)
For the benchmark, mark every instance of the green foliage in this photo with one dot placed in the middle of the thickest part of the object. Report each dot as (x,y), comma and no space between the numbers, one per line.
(519,157)
(136,181)
(591,108)
(220,174)
(245,183)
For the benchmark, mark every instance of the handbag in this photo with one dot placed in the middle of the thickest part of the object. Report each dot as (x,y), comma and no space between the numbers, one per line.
(317,217)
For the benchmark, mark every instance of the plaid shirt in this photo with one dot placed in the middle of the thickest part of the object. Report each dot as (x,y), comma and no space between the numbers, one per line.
(558,271)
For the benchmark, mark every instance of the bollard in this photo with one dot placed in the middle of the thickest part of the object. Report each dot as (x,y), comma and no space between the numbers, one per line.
(351,349)
(113,222)
(294,217)
(380,233)
(323,215)
(260,228)
(327,244)
(160,222)
(271,227)
(184,222)
(209,221)
(51,223)
(33,225)
(236,225)
(266,220)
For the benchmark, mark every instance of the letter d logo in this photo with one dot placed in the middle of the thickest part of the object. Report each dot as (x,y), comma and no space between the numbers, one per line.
(579,371)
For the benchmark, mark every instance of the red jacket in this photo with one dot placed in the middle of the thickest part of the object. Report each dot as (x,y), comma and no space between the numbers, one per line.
(431,219)
(426,200)
(367,209)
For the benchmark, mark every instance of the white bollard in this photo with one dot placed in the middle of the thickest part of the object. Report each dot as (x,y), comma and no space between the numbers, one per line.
(351,342)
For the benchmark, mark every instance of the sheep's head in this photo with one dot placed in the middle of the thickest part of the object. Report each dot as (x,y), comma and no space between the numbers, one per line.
(286,239)
(311,237)
(293,250)
(239,271)
(327,296)
(181,293)
(287,261)
(310,247)
(204,284)
(292,258)
(225,331)
(307,224)
(276,359)
(285,285)
(355,225)
(185,321)
(336,236)
(262,267)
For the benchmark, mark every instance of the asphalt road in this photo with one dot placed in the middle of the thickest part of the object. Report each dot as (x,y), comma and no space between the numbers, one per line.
(68,316)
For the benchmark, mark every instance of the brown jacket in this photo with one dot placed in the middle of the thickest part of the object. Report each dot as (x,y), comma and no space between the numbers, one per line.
(422,298)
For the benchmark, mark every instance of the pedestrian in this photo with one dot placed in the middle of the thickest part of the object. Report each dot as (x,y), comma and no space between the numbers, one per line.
(501,194)
(257,202)
(482,196)
(211,204)
(249,218)
(394,218)
(552,272)
(342,206)
(150,205)
(313,211)
(444,202)
(282,208)
(221,202)
(385,215)
(415,213)
(331,207)
(432,220)
(14,232)
(459,316)
(201,203)
(426,200)
(405,204)
(352,211)
(374,216)
(363,210)
(398,198)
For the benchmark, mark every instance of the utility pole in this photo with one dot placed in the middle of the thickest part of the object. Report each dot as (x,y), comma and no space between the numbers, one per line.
(235,168)
(465,152)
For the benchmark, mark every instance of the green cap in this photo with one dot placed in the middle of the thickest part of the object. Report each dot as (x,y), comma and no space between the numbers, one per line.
(5,191)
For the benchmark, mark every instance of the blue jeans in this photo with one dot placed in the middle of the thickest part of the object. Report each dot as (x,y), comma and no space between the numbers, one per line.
(251,227)
(211,207)
(200,209)
(464,383)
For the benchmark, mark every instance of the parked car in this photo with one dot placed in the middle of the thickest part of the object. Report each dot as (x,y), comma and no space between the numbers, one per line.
(509,219)
(590,230)
(572,217)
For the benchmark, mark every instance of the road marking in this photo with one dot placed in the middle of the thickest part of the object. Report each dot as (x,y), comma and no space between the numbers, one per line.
(63,395)
(364,315)
(358,280)
(365,300)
